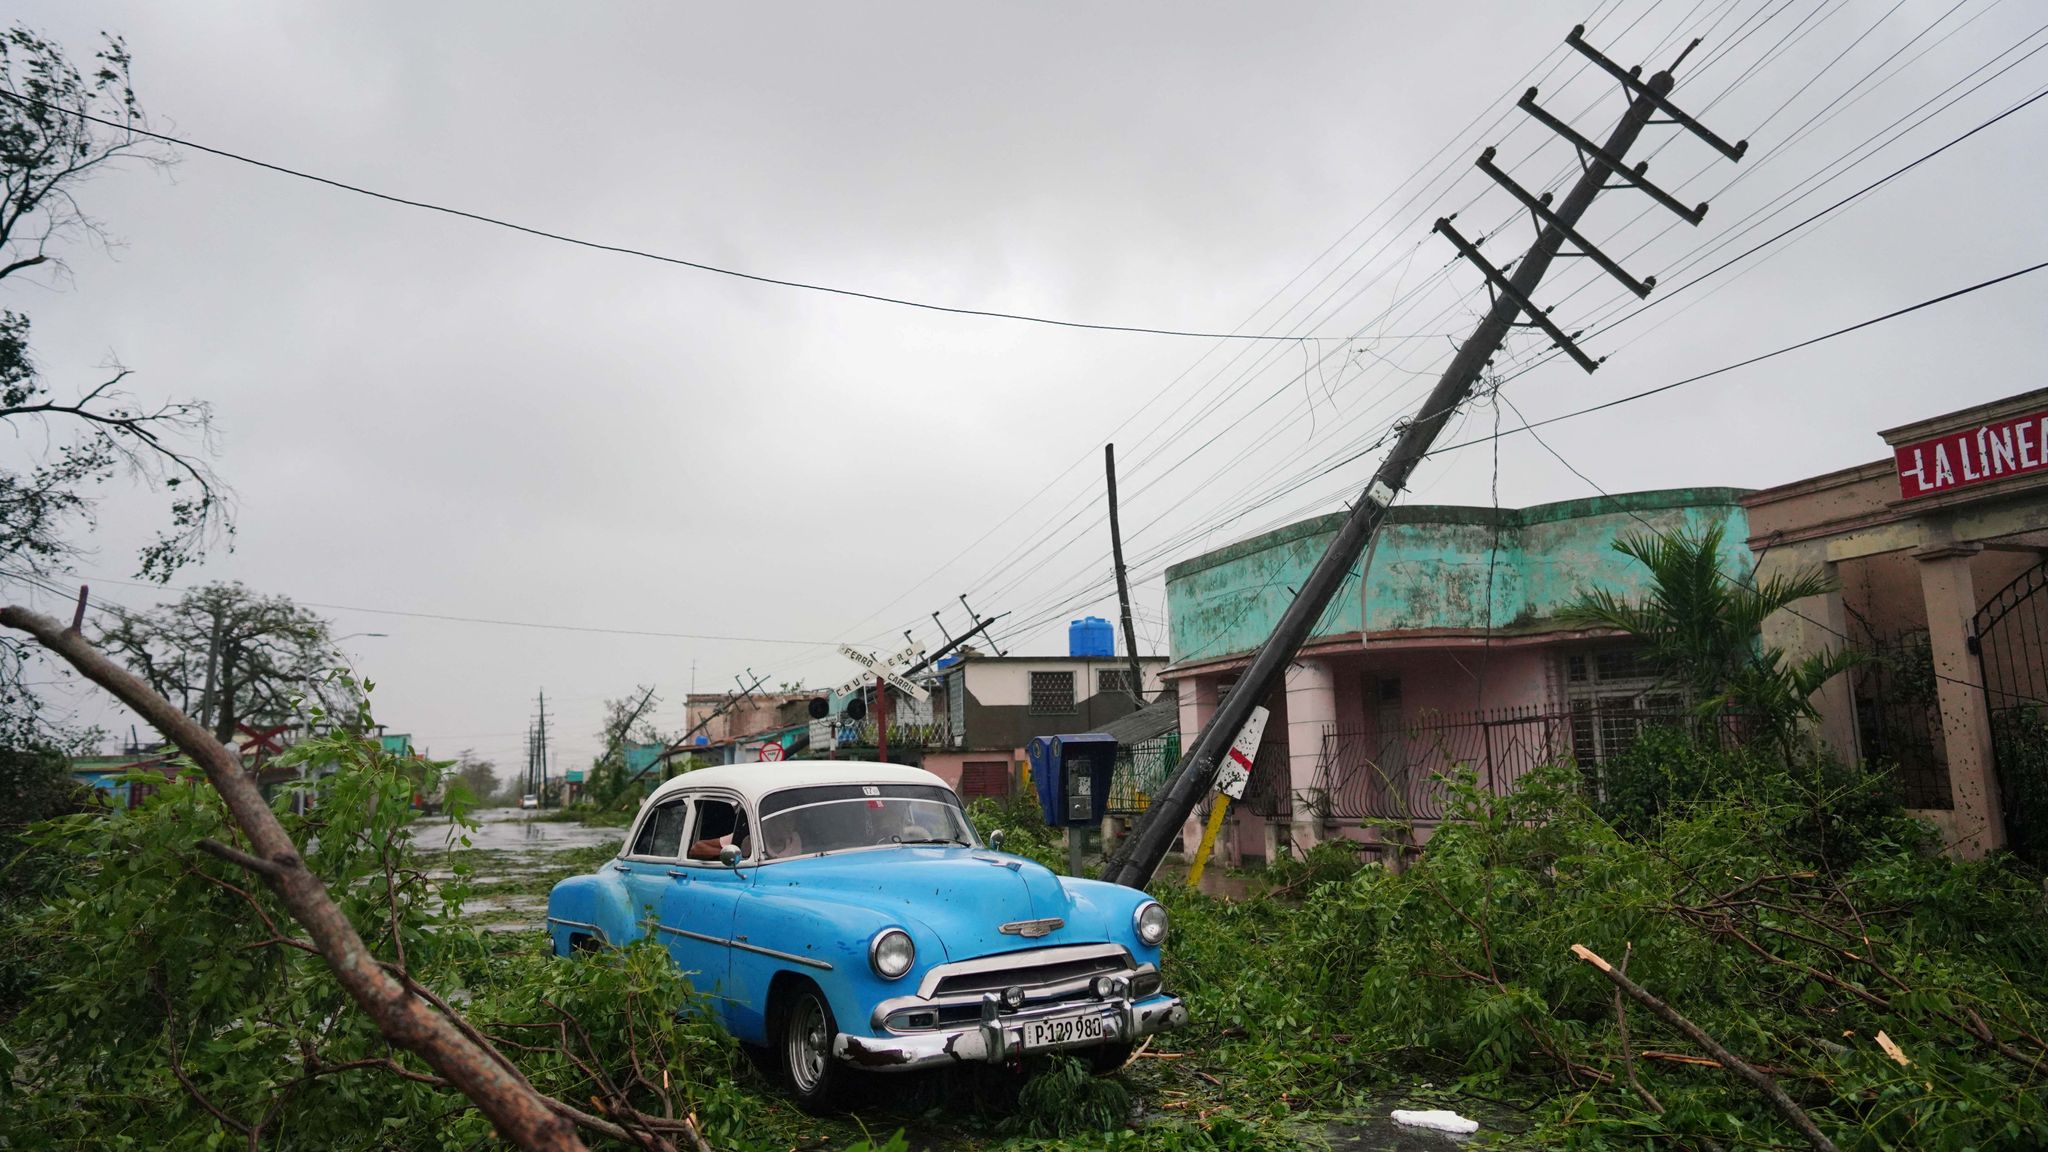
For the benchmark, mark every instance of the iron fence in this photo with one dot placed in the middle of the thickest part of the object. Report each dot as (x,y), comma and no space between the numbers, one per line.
(1374,774)
(1898,719)
(2010,636)
(1141,770)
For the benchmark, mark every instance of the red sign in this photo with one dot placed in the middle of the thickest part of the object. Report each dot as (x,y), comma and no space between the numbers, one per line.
(1979,455)
(771,752)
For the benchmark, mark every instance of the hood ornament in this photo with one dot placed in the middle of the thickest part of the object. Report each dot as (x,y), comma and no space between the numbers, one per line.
(1033,929)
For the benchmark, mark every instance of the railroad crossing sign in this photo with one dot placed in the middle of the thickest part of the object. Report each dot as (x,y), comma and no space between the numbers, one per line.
(771,751)
(258,743)
(886,669)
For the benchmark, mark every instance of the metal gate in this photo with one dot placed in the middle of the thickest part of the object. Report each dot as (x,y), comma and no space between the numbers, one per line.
(2010,635)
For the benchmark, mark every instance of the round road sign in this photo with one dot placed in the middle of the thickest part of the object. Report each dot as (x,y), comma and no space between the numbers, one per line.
(771,752)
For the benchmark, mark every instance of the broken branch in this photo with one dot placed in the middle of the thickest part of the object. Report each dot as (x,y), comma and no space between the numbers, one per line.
(1786,1106)
(518,1112)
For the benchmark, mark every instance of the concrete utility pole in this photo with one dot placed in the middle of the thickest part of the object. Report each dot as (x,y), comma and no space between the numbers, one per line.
(1134,864)
(1123,584)
(541,749)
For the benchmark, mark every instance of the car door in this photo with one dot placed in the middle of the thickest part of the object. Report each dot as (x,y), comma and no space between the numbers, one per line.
(698,910)
(650,867)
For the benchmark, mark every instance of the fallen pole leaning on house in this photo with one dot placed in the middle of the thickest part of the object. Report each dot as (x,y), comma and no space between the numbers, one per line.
(1139,857)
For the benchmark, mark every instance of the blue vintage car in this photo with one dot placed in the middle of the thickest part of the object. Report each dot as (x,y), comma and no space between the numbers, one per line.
(845,916)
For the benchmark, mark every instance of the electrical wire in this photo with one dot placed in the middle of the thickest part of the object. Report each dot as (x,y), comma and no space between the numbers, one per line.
(1758,359)
(623,250)
(496,622)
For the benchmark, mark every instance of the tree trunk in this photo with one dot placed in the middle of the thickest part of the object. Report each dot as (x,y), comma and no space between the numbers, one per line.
(522,1115)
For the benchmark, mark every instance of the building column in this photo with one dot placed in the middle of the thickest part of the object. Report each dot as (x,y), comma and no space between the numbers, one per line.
(1959,686)
(1197,704)
(1836,700)
(1311,712)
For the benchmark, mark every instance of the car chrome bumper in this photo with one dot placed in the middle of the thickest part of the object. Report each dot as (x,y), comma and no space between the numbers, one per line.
(1002,1039)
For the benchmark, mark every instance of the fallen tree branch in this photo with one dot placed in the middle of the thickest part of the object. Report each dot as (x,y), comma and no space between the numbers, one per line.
(1786,1106)
(519,1113)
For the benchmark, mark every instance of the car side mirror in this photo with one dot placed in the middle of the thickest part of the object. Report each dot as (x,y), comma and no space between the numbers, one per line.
(730,855)
(995,840)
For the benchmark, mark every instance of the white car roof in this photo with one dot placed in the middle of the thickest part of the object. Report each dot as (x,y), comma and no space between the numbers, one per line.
(756,780)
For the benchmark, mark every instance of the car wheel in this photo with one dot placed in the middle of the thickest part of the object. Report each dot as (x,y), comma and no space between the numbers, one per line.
(804,1051)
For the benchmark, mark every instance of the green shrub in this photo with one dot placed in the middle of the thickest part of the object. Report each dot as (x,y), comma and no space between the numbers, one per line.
(1461,966)
(170,976)
(1065,1097)
(1831,811)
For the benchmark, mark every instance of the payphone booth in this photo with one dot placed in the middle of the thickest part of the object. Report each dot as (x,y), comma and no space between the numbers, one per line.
(1071,774)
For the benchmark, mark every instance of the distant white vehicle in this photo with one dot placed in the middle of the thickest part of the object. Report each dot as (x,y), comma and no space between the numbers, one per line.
(529,801)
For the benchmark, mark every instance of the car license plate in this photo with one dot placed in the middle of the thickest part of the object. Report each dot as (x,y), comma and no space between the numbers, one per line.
(1060,1031)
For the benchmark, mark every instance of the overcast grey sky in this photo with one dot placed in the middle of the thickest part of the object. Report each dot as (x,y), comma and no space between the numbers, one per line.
(427,415)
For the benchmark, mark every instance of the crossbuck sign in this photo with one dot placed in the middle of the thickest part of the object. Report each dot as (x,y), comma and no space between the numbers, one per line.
(886,669)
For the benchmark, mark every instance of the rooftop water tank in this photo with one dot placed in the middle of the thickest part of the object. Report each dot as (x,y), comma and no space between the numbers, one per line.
(1090,636)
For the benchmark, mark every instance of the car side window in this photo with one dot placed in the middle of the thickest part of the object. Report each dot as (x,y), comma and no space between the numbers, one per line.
(661,834)
(719,823)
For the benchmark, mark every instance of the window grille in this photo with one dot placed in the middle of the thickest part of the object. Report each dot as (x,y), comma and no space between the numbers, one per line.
(1115,681)
(1052,693)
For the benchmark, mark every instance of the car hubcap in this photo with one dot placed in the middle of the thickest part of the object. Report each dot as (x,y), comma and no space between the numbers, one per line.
(806,1043)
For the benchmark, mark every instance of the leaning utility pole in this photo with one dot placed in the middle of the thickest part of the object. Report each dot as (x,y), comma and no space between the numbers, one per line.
(1134,864)
(1123,584)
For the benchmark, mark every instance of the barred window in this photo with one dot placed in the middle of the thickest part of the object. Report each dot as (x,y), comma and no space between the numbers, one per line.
(1113,680)
(1052,693)
(1614,694)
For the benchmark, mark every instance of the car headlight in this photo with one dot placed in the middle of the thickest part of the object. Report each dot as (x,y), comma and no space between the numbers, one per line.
(1151,923)
(891,953)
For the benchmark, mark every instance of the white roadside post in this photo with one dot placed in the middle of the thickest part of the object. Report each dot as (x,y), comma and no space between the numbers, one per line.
(1231,777)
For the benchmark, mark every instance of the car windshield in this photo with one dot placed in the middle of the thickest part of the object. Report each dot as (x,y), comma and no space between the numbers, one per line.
(834,817)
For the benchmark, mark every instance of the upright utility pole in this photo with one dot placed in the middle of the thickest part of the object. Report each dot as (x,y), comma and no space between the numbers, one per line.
(527,785)
(541,752)
(1135,863)
(1123,584)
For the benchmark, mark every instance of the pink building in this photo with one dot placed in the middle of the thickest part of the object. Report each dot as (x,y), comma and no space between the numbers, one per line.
(1445,655)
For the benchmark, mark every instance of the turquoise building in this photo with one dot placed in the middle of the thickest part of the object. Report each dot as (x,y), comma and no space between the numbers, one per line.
(1441,651)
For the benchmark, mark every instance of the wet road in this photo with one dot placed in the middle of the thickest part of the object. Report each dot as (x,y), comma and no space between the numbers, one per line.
(513,858)
(511,830)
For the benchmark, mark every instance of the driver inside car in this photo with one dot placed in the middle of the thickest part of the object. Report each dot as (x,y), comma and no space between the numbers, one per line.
(709,849)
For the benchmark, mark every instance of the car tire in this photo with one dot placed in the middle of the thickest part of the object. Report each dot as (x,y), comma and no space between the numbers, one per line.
(802,1048)
(1106,1059)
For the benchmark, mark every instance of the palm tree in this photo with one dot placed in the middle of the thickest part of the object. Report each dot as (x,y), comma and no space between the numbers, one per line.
(1704,628)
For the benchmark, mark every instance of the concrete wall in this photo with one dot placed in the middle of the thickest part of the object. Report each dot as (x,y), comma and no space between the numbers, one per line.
(1430,569)
(998,707)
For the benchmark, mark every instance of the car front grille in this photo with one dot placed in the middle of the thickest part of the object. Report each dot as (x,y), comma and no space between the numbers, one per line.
(951,994)
(1031,973)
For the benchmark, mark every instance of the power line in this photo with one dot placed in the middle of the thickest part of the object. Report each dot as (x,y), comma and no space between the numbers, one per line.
(641,253)
(1893,315)
(1529,426)
(491,620)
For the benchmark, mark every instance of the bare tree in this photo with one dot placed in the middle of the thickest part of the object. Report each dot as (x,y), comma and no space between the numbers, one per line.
(229,656)
(59,128)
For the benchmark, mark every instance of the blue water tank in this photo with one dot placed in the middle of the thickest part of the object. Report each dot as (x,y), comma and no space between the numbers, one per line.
(1090,636)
